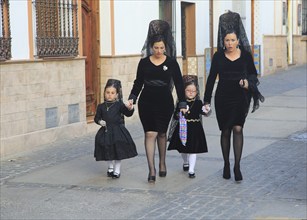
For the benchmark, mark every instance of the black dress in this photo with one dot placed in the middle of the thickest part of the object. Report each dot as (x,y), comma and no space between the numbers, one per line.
(113,142)
(156,104)
(196,139)
(231,101)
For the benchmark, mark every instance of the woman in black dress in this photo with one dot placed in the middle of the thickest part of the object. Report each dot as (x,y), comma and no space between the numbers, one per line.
(234,65)
(156,74)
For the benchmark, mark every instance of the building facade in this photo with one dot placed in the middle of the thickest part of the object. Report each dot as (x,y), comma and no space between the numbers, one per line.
(56,55)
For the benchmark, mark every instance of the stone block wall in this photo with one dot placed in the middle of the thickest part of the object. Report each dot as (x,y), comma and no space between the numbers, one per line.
(41,102)
(299,50)
(275,52)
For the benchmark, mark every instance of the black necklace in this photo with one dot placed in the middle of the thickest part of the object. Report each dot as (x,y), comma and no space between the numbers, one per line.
(110,105)
(191,100)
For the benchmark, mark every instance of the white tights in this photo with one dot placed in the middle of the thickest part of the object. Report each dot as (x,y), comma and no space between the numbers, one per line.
(189,159)
(114,165)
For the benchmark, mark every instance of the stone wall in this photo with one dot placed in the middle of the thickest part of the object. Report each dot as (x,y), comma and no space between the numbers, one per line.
(299,50)
(275,55)
(41,102)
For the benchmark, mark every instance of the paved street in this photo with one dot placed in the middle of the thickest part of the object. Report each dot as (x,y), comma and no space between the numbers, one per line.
(63,181)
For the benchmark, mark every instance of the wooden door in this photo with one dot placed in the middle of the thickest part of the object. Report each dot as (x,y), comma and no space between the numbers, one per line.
(90,42)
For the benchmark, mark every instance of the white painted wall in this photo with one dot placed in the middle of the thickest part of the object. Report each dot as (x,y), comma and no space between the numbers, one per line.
(131,20)
(202,27)
(278,27)
(178,28)
(267,17)
(105,28)
(219,7)
(19,29)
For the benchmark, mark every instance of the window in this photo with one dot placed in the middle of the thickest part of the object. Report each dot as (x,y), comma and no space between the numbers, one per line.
(304,17)
(284,13)
(56,28)
(166,11)
(5,32)
(299,15)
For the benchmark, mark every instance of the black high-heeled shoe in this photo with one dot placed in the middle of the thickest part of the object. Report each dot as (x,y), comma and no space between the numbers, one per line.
(226,172)
(238,174)
(162,173)
(151,179)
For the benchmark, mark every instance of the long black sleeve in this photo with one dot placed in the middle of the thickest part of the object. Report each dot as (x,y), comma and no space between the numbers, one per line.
(179,86)
(138,82)
(99,114)
(211,78)
(124,110)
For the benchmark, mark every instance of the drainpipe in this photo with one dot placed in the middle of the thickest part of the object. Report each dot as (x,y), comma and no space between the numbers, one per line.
(290,32)
(174,19)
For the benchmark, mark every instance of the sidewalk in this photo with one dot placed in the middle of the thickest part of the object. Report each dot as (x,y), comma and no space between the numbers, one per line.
(62,180)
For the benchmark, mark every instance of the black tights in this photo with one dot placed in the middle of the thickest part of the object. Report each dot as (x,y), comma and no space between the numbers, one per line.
(150,141)
(237,144)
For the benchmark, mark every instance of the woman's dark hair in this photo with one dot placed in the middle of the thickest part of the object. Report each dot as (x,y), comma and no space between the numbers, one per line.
(231,31)
(157,38)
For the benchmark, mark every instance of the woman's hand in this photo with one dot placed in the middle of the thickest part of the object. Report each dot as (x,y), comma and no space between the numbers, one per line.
(206,108)
(129,104)
(244,83)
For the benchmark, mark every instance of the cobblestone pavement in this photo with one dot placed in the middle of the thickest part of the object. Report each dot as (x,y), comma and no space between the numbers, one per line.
(275,174)
(36,185)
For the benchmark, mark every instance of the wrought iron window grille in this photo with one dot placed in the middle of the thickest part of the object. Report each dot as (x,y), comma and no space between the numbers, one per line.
(56,28)
(5,31)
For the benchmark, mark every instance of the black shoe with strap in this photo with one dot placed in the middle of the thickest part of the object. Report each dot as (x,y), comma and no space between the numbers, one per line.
(185,167)
(115,175)
(191,175)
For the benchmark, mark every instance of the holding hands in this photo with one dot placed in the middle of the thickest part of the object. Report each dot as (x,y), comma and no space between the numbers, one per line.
(129,104)
(206,109)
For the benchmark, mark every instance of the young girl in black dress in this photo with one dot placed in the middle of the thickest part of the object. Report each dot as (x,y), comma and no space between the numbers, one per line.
(196,140)
(113,142)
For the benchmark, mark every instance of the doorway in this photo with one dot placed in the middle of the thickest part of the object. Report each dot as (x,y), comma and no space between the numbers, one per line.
(91,51)
(188,32)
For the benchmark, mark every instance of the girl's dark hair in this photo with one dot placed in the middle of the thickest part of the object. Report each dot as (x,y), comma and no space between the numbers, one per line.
(111,85)
(117,85)
(190,83)
(157,38)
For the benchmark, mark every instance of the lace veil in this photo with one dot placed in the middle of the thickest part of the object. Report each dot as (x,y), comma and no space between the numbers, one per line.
(160,27)
(231,21)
